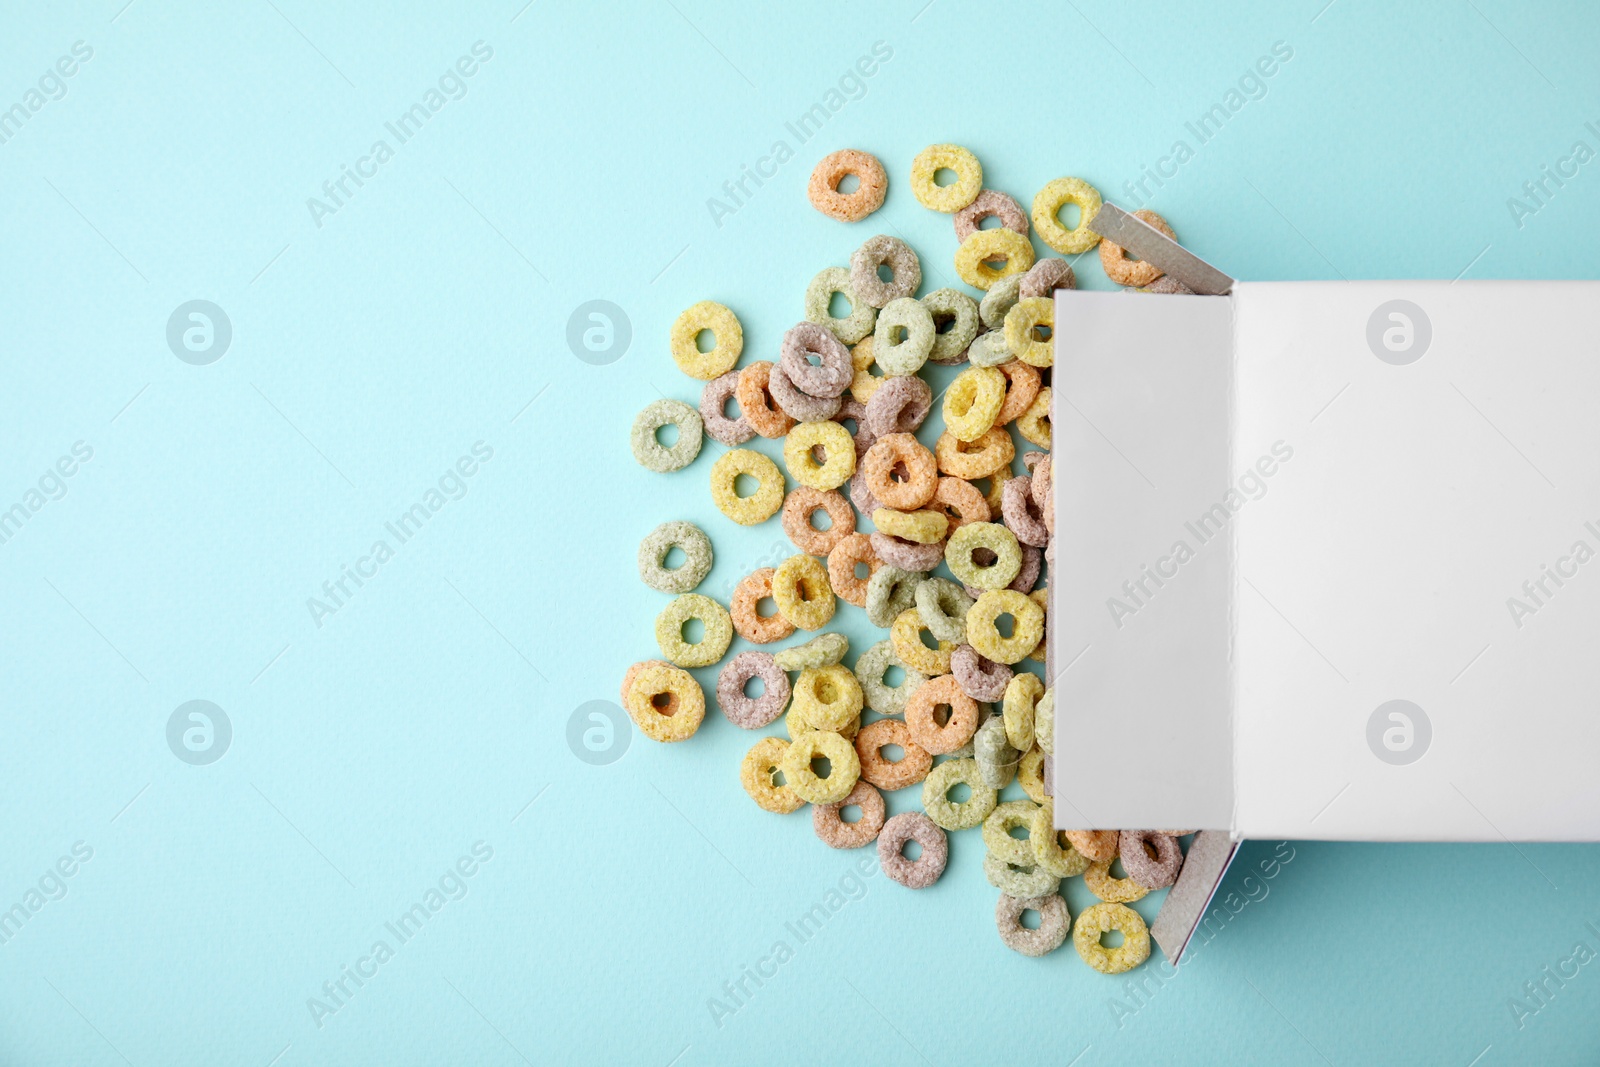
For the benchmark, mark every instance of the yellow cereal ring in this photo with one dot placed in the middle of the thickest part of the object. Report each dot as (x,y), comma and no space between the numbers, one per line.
(1111,890)
(724,326)
(1027,626)
(665,703)
(828,698)
(838,449)
(947,198)
(865,382)
(997,827)
(1044,722)
(1097,920)
(755,774)
(973,402)
(797,724)
(801,590)
(712,644)
(1051,199)
(1051,850)
(925,527)
(905,637)
(1034,424)
(989,454)
(1023,322)
(1030,775)
(758,506)
(1022,693)
(1041,597)
(974,256)
(804,782)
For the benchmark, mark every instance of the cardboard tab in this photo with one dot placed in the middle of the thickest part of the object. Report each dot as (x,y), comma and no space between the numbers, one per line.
(1155,247)
(1208,859)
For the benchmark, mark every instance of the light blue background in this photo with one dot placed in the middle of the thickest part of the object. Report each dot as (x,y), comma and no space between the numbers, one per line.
(426,315)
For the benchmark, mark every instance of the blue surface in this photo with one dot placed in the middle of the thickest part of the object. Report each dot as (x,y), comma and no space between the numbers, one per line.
(376,343)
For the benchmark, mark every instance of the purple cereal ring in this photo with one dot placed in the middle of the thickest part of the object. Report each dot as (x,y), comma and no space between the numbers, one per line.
(860,495)
(834,832)
(1168,284)
(713,398)
(899,405)
(1021,514)
(906,827)
(907,555)
(979,678)
(830,375)
(745,711)
(1151,859)
(851,408)
(991,203)
(904,268)
(1045,277)
(800,406)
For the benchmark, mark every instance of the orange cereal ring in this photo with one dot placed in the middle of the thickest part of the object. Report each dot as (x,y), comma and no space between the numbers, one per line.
(900,472)
(974,459)
(878,769)
(1124,271)
(834,832)
(850,551)
(823,189)
(750,624)
(960,502)
(804,502)
(1096,846)
(936,733)
(666,703)
(1022,388)
(756,404)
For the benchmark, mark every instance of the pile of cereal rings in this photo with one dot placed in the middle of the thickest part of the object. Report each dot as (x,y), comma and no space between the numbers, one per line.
(967,712)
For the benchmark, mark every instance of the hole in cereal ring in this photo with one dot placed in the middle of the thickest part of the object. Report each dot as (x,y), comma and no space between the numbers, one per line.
(1111,939)
(898,335)
(754,687)
(674,558)
(899,472)
(943,323)
(997,263)
(893,677)
(848,184)
(766,607)
(1019,832)
(885,272)
(705,340)
(1005,625)
(1068,214)
(839,307)
(821,520)
(892,753)
(850,813)
(1041,331)
(661,701)
(731,409)
(911,850)
(928,640)
(984,557)
(821,766)
(778,778)
(863,572)
(1116,869)
(667,434)
(945,176)
(826,691)
(990,222)
(693,631)
(745,485)
(1030,919)
(941,715)
(819,455)
(958,793)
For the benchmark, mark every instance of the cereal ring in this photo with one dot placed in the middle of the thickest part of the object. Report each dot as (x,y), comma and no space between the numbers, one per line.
(959,501)
(651,453)
(905,270)
(800,587)
(943,609)
(1022,515)
(1023,324)
(819,298)
(925,869)
(1025,579)
(1054,922)
(823,189)
(981,679)
(955,324)
(843,774)
(827,697)
(997,760)
(759,409)
(722,324)
(890,591)
(989,350)
(755,774)
(798,405)
(751,625)
(925,527)
(713,399)
(1046,276)
(1041,652)
(903,337)
(1051,199)
(947,198)
(851,551)
(1124,271)
(713,642)
(743,710)
(1051,849)
(837,447)
(865,383)
(906,637)
(1022,693)
(1034,424)
(633,672)
(871,667)
(834,832)
(997,831)
(863,438)
(1152,859)
(797,724)
(1095,921)
(1044,728)
(948,813)
(960,554)
(972,402)
(974,459)
(666,703)
(911,768)
(653,550)
(1030,776)
(804,502)
(907,555)
(899,406)
(1099,881)
(1096,846)
(991,203)
(1027,625)
(823,650)
(922,716)
(1019,879)
(900,472)
(860,495)
(1001,298)
(760,505)
(1022,386)
(977,255)
(1167,284)
(833,371)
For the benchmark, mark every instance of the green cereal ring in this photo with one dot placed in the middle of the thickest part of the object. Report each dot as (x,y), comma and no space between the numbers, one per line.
(1095,921)
(989,350)
(651,453)
(1022,693)
(946,198)
(1044,722)
(976,257)
(903,337)
(1001,298)
(1027,627)
(712,644)
(958,555)
(1030,775)
(1022,324)
(884,699)
(890,591)
(1051,199)
(1051,850)
(755,774)
(819,294)
(804,782)
(724,326)
(653,550)
(943,607)
(961,312)
(827,697)
(1054,922)
(824,650)
(838,448)
(1019,879)
(758,506)
(997,760)
(997,831)
(946,812)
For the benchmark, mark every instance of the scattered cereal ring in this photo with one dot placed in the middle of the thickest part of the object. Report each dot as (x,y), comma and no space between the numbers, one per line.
(899,406)
(998,826)
(972,402)
(860,495)
(712,644)
(756,775)
(834,832)
(1046,276)
(1030,776)
(911,768)
(837,447)
(799,405)
(947,198)
(827,697)
(1021,694)
(851,551)
(1124,271)
(1051,199)
(1034,424)
(1151,859)
(713,399)
(1096,846)
(906,637)
(823,650)
(1001,298)
(903,336)
(977,255)
(798,774)
(743,710)
(800,587)
(871,667)
(928,730)
(974,459)
(890,591)
(1095,921)
(1022,386)
(900,472)
(653,550)
(760,505)
(1044,727)
(865,383)
(833,371)
(1051,850)
(666,703)
(959,501)
(943,608)
(950,341)
(796,723)
(907,555)
(633,672)
(997,760)
(1025,880)
(819,296)
(925,527)
(905,270)
(925,869)
(801,504)
(1023,324)
(979,677)
(823,189)
(707,315)
(1054,922)
(651,453)
(1027,625)
(961,555)
(1022,515)
(1167,284)
(751,625)
(991,203)
(989,350)
(1026,576)
(756,402)
(950,814)
(1099,881)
